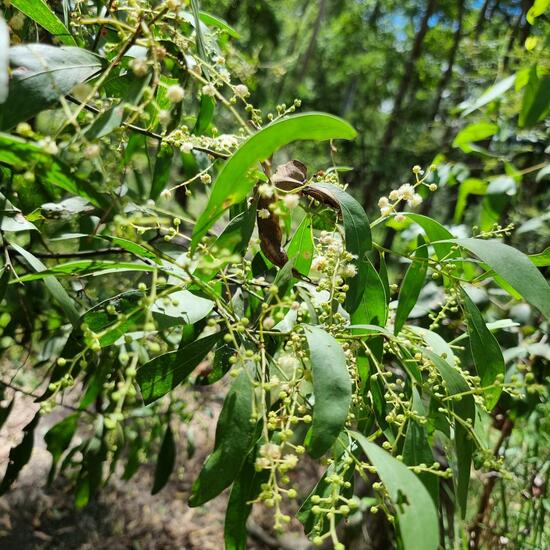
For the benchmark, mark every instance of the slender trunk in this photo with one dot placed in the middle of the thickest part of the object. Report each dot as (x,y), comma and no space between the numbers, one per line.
(375,15)
(481,18)
(447,75)
(291,49)
(391,127)
(515,33)
(393,121)
(306,58)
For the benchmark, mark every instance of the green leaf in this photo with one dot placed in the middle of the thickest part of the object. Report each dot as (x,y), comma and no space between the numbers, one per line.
(53,285)
(470,186)
(536,10)
(331,389)
(465,408)
(234,438)
(435,232)
(373,308)
(515,268)
(492,93)
(412,285)
(86,267)
(58,438)
(165,461)
(161,173)
(236,235)
(415,509)
(39,12)
(99,320)
(4,60)
(236,179)
(40,75)
(130,246)
(19,455)
(11,218)
(417,449)
(536,99)
(20,155)
(301,247)
(542,259)
(245,489)
(358,237)
(205,116)
(213,21)
(474,132)
(163,373)
(486,351)
(132,89)
(183,308)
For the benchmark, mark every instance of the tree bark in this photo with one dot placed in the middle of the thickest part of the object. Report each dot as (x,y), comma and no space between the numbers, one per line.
(389,133)
(481,18)
(306,58)
(447,75)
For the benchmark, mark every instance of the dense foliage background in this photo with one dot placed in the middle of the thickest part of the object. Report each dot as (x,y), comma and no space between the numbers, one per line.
(330,216)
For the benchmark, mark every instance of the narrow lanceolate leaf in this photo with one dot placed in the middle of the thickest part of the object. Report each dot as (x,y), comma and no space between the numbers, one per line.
(357,233)
(58,438)
(486,351)
(53,285)
(415,509)
(4,60)
(40,74)
(331,389)
(464,408)
(412,285)
(301,247)
(39,12)
(515,268)
(236,179)
(373,308)
(245,489)
(417,449)
(435,232)
(161,173)
(183,308)
(234,438)
(87,267)
(19,455)
(18,154)
(163,373)
(165,461)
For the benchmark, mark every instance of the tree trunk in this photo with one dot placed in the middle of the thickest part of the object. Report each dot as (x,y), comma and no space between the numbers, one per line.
(375,15)
(481,18)
(515,32)
(447,75)
(389,133)
(393,121)
(303,64)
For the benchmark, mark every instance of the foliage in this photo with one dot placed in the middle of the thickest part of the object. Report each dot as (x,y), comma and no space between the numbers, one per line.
(158,235)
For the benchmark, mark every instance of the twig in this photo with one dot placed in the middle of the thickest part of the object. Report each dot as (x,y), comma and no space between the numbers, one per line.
(148,133)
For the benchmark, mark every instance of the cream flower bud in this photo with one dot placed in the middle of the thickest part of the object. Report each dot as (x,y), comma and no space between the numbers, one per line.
(241,91)
(394,195)
(291,200)
(266,190)
(263,214)
(139,66)
(383,201)
(209,89)
(175,93)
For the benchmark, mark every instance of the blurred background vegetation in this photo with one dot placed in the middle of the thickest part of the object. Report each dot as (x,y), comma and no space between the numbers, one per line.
(407,75)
